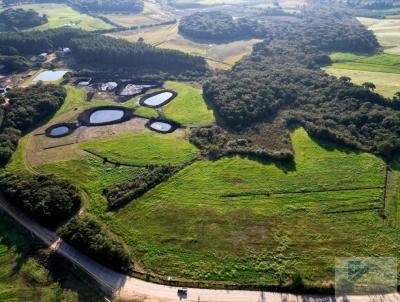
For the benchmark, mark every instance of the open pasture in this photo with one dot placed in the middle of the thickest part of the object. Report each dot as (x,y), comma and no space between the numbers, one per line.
(61,15)
(152,14)
(387,31)
(219,55)
(242,220)
(386,84)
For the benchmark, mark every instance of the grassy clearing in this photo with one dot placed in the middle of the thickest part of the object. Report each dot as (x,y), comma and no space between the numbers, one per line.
(92,176)
(376,63)
(24,276)
(144,148)
(152,14)
(387,31)
(60,14)
(188,227)
(169,38)
(189,107)
(386,84)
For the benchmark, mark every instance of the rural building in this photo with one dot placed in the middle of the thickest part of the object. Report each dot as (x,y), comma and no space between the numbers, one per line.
(66,50)
(42,57)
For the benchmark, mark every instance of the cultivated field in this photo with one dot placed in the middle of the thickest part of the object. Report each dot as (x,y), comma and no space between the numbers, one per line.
(219,55)
(61,15)
(152,14)
(387,31)
(275,219)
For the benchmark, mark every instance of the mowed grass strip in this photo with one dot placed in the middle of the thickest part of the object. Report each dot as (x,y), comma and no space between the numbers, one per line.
(60,15)
(144,148)
(189,107)
(376,63)
(185,227)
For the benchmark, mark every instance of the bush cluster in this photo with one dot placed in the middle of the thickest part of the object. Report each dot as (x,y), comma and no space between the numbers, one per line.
(43,197)
(124,193)
(88,236)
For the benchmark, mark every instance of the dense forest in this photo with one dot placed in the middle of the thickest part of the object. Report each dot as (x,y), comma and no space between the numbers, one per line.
(20,19)
(14,64)
(219,27)
(27,107)
(103,53)
(92,239)
(295,89)
(44,197)
(116,6)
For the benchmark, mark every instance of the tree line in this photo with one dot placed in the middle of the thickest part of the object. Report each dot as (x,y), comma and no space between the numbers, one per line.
(98,52)
(282,78)
(219,27)
(105,6)
(20,19)
(43,197)
(26,108)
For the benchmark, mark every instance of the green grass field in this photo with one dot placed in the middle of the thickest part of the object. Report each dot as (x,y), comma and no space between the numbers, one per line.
(189,107)
(387,84)
(144,148)
(383,70)
(376,63)
(241,220)
(60,15)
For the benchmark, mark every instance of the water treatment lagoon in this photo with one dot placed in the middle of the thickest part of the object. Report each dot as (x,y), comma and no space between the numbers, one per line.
(158,99)
(106,116)
(50,75)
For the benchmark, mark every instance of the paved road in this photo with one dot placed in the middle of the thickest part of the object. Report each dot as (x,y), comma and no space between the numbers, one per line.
(131,288)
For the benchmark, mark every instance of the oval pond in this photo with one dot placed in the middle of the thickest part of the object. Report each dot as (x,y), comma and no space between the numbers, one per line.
(161,126)
(106,116)
(158,99)
(62,130)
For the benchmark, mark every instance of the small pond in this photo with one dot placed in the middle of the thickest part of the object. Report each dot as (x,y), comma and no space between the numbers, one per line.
(59,131)
(161,126)
(106,116)
(50,75)
(159,99)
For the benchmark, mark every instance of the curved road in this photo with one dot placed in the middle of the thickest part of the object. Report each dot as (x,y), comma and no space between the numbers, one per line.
(126,287)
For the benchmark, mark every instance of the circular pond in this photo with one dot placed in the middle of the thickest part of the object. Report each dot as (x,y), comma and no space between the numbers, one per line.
(158,99)
(60,130)
(105,115)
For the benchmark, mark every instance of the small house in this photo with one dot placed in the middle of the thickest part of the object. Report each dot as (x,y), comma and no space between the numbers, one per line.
(66,50)
(42,57)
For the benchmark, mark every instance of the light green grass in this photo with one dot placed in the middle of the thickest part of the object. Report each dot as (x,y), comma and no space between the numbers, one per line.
(376,63)
(387,31)
(189,107)
(92,176)
(61,14)
(144,148)
(187,227)
(145,111)
(386,84)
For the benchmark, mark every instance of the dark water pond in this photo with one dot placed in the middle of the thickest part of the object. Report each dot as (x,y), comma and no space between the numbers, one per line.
(106,116)
(158,99)
(161,126)
(62,130)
